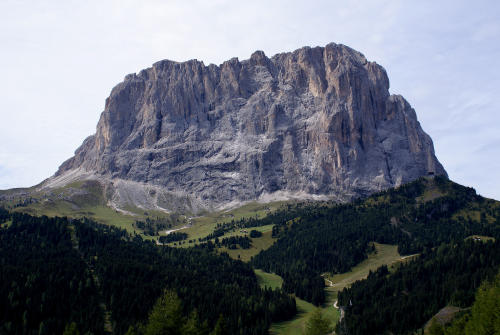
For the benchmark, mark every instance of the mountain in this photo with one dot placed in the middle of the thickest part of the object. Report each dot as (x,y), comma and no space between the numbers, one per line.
(315,123)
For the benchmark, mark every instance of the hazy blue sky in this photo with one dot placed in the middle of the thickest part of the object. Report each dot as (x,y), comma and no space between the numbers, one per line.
(60,59)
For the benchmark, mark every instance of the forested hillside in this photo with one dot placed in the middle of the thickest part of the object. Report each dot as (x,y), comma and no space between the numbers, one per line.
(56,272)
(404,301)
(482,319)
(59,273)
(44,284)
(416,216)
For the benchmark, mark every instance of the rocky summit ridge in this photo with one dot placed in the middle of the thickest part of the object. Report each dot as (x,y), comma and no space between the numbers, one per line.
(315,123)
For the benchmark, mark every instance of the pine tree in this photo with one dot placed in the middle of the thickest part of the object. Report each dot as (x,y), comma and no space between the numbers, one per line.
(485,315)
(484,318)
(191,327)
(435,328)
(317,324)
(166,317)
(42,329)
(220,327)
(71,329)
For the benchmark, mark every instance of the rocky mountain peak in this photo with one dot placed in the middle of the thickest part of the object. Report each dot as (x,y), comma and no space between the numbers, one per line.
(312,123)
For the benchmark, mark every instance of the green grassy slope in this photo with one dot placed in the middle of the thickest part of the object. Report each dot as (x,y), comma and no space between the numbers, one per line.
(384,255)
(205,224)
(76,200)
(295,326)
(258,243)
(87,199)
(419,215)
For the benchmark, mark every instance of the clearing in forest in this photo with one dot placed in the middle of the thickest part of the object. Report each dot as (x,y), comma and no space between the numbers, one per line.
(384,255)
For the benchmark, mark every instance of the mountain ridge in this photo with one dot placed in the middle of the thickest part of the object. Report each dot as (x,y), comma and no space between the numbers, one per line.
(315,123)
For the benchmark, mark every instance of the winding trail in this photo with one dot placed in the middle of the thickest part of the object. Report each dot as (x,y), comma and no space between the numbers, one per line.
(189,225)
(330,283)
(336,302)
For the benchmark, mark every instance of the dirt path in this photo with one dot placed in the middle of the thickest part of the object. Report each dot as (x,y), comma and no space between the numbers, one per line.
(188,225)
(172,230)
(409,256)
(166,232)
(330,283)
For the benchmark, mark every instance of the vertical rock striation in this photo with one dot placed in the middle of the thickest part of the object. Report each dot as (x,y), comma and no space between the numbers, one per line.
(313,122)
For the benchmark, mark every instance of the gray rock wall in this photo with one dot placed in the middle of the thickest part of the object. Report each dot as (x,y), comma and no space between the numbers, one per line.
(316,121)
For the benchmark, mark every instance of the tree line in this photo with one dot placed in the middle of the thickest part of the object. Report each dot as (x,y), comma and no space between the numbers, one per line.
(44,284)
(173,237)
(482,319)
(334,238)
(404,300)
(55,273)
(134,272)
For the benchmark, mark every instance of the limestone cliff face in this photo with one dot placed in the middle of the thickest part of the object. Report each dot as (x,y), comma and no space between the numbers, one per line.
(316,121)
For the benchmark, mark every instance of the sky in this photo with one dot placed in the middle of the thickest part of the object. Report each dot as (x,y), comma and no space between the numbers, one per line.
(60,59)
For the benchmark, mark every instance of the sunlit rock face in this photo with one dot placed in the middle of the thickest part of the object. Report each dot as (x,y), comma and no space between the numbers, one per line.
(313,123)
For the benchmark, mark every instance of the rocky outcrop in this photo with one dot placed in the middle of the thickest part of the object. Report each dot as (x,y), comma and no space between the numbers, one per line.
(313,122)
